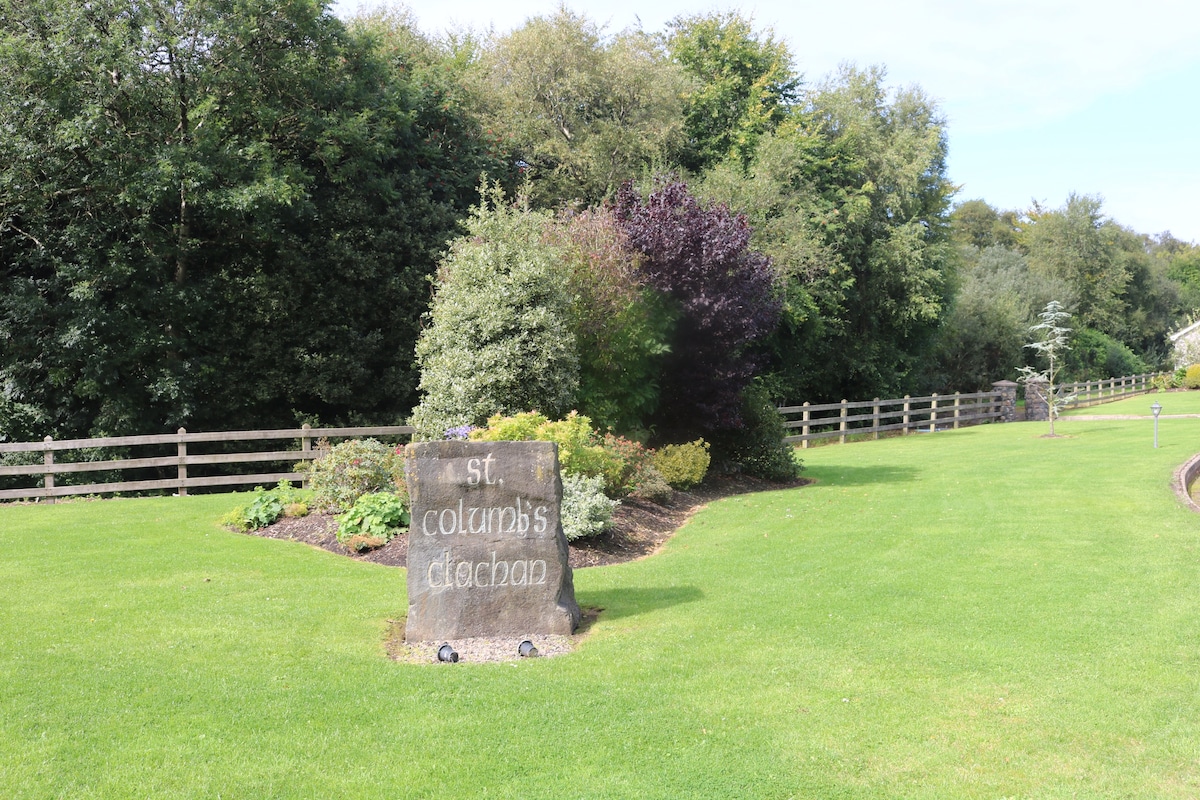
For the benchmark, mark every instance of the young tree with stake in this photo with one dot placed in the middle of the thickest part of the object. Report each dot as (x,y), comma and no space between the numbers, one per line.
(1050,343)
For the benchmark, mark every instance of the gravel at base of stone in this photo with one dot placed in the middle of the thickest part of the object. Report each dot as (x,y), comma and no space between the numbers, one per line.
(480,650)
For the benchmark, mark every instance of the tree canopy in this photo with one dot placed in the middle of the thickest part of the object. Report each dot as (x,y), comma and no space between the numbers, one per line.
(217,214)
(230,214)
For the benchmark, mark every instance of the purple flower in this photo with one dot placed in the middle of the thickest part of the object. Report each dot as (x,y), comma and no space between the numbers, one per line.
(461,432)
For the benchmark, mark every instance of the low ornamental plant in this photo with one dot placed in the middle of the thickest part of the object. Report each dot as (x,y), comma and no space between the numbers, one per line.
(266,507)
(373,521)
(632,467)
(683,465)
(586,510)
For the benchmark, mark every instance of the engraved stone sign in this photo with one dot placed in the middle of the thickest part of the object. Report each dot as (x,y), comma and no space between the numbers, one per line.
(486,553)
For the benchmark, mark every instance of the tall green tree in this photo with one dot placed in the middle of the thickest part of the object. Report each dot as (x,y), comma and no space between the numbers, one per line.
(1077,244)
(743,82)
(977,224)
(581,111)
(850,198)
(213,214)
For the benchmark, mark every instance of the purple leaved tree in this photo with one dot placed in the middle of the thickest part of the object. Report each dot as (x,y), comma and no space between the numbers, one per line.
(724,293)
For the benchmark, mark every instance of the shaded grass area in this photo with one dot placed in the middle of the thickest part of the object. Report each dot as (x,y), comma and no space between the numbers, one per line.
(978,613)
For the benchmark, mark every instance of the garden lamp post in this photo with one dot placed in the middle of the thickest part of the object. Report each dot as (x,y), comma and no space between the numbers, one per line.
(1157,409)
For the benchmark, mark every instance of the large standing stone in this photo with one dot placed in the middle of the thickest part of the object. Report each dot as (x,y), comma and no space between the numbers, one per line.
(486,553)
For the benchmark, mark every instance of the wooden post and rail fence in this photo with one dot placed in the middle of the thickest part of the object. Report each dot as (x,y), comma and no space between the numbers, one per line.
(300,449)
(179,459)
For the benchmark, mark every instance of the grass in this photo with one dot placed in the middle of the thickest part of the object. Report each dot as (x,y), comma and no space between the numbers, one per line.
(980,613)
(1173,402)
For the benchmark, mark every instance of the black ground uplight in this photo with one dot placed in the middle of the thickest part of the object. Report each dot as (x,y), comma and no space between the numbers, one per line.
(446,653)
(527,650)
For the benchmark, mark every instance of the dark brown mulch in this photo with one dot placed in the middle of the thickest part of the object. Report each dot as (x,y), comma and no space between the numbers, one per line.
(640,526)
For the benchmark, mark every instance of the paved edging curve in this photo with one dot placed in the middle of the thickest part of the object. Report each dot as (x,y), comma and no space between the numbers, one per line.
(1183,479)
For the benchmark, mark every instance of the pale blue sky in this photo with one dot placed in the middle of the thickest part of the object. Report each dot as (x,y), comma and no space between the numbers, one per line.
(1043,97)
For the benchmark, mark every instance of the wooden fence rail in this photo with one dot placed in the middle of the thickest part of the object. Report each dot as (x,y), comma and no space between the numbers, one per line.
(302,450)
(1090,393)
(935,412)
(170,465)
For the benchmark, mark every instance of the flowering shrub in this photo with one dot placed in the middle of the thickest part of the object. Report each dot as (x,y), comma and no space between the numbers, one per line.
(354,468)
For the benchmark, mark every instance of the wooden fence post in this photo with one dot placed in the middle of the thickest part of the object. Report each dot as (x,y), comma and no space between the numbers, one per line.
(48,477)
(933,407)
(957,403)
(181,451)
(804,427)
(875,420)
(842,426)
(306,445)
(907,409)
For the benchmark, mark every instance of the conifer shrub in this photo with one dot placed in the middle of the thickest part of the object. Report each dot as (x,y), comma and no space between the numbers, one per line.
(1191,378)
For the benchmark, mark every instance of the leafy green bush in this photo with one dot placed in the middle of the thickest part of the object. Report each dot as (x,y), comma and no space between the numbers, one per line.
(373,521)
(580,451)
(758,448)
(266,507)
(586,510)
(1094,356)
(350,470)
(683,465)
(1168,380)
(1191,379)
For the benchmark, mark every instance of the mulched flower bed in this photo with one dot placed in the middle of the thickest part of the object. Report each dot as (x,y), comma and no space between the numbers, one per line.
(640,527)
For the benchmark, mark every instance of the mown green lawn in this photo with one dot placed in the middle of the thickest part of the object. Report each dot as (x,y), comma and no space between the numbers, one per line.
(1173,402)
(982,613)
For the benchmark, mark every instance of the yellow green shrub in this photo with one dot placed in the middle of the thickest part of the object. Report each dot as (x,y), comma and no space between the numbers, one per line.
(683,465)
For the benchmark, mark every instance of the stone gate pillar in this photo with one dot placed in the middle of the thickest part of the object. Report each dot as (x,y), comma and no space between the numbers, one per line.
(1008,400)
(1037,400)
